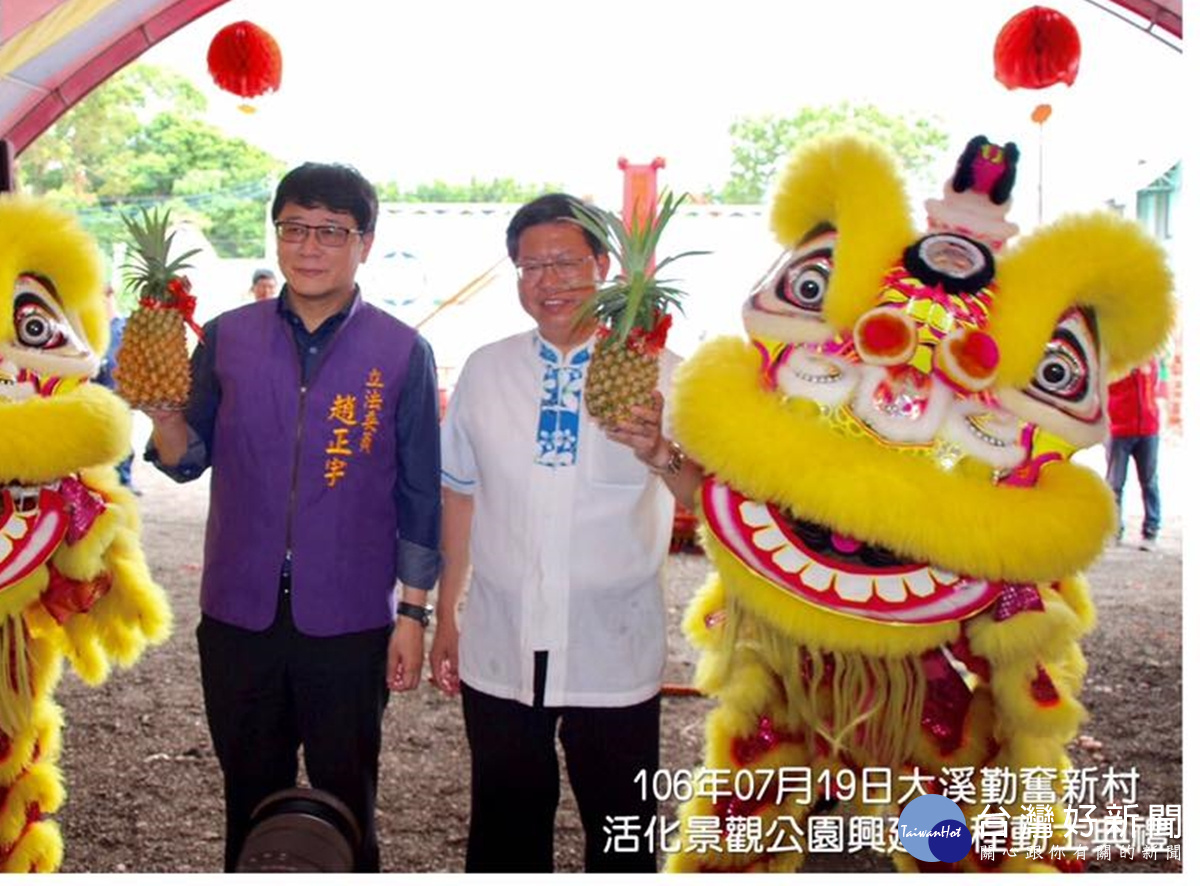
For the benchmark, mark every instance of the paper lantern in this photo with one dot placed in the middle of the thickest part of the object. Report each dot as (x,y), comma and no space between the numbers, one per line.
(1037,48)
(245,60)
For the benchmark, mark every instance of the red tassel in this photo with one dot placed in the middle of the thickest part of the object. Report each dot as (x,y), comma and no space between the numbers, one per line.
(1037,48)
(245,60)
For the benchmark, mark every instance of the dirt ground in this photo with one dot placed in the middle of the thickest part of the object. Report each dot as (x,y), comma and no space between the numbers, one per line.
(144,790)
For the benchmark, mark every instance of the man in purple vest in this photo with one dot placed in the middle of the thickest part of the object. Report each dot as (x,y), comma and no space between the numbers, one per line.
(318,414)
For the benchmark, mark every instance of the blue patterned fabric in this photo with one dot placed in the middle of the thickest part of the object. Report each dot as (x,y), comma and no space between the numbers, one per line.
(562,398)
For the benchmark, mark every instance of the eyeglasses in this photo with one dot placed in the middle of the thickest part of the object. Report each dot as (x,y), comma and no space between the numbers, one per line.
(327,235)
(565,268)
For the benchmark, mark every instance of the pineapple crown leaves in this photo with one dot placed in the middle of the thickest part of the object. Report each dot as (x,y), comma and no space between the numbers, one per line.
(636,298)
(150,266)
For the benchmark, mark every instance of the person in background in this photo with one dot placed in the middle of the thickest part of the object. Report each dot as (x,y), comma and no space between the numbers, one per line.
(263,284)
(104,376)
(318,414)
(563,532)
(1133,418)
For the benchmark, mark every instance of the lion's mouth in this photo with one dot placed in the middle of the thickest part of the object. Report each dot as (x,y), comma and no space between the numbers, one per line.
(836,572)
(32,524)
(824,542)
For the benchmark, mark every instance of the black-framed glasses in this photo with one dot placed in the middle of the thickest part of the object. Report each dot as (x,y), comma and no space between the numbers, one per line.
(327,235)
(566,268)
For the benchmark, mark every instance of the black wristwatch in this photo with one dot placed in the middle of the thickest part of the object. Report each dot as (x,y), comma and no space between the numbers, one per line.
(415,612)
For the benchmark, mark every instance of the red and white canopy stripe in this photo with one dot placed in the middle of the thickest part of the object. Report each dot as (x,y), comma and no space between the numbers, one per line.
(53,52)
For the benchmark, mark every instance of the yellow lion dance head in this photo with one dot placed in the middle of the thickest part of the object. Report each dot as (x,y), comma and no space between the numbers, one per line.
(894,518)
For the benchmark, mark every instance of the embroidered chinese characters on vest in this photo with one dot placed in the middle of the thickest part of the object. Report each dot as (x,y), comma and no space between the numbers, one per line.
(353,420)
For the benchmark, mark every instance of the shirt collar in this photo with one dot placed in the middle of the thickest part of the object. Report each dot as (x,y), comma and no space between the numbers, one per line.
(551,355)
(283,306)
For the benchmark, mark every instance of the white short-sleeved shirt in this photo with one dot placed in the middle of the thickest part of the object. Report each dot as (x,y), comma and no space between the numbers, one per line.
(569,535)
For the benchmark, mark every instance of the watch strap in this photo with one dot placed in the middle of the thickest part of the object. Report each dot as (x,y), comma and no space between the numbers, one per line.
(417,613)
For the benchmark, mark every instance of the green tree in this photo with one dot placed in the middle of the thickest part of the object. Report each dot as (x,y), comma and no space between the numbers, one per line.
(498,190)
(140,139)
(761,144)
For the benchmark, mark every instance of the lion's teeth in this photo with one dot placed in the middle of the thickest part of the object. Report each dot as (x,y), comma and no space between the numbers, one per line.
(890,588)
(853,587)
(769,539)
(919,583)
(755,514)
(789,560)
(818,577)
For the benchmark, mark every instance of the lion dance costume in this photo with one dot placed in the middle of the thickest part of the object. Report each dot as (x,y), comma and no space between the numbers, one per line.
(897,531)
(73,582)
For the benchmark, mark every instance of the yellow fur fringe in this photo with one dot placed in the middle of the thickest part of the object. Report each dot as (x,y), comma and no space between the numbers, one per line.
(39,850)
(16,681)
(1099,261)
(42,740)
(87,426)
(853,185)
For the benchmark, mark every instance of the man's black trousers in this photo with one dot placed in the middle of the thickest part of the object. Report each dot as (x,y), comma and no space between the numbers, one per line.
(269,693)
(515,781)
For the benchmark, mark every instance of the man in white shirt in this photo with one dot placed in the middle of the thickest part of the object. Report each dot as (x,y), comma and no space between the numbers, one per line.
(563,531)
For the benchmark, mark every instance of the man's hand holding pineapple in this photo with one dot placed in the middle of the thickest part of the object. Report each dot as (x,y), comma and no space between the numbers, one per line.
(630,317)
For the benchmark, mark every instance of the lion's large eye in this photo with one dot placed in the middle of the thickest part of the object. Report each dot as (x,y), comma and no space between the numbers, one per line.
(804,284)
(1061,373)
(788,303)
(36,326)
(1065,396)
(1068,375)
(44,339)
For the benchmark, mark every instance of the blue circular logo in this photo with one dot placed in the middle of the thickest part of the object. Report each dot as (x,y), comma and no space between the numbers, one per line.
(933,828)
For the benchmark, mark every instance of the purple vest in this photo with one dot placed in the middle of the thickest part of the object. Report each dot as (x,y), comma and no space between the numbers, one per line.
(311,470)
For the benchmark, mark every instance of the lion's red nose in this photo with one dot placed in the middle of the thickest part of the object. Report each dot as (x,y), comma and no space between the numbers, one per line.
(969,358)
(885,337)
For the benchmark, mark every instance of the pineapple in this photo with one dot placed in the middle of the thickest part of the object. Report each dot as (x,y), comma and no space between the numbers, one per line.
(152,369)
(632,310)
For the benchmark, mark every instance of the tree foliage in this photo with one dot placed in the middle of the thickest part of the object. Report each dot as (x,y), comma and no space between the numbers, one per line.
(140,139)
(761,144)
(498,190)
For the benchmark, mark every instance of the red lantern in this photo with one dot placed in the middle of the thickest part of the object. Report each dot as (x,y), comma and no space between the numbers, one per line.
(1037,48)
(245,60)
